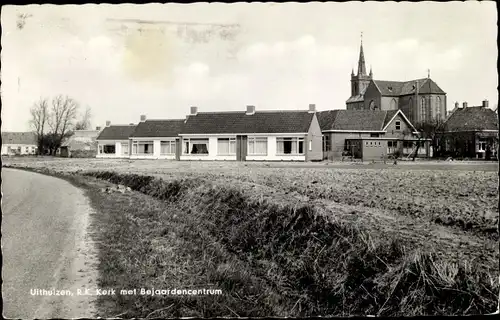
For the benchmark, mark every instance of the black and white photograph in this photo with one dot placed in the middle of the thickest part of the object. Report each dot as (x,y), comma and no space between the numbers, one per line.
(235,160)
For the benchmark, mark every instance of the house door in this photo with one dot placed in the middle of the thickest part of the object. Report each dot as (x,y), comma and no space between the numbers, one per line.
(241,148)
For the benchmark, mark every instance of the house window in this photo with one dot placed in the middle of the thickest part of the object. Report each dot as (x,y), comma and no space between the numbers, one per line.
(372,105)
(124,148)
(27,149)
(481,146)
(348,145)
(226,146)
(108,149)
(389,144)
(290,145)
(374,135)
(100,150)
(142,147)
(398,125)
(167,147)
(257,146)
(195,146)
(326,143)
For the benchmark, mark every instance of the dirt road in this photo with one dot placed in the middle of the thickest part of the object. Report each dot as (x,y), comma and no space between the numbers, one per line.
(46,248)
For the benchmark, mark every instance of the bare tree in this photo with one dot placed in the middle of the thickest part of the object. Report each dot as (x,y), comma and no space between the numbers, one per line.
(429,130)
(85,121)
(63,114)
(38,122)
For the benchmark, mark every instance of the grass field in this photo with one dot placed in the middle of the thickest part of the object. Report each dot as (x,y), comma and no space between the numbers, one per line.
(295,239)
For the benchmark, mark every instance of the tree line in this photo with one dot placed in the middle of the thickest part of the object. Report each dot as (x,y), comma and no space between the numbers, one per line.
(54,120)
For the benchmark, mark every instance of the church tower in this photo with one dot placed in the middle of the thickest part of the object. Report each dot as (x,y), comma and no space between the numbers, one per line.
(360,81)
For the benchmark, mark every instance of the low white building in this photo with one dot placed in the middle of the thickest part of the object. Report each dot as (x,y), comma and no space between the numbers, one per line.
(156,139)
(113,141)
(245,136)
(19,143)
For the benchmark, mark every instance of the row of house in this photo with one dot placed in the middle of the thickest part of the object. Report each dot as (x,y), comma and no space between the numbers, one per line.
(309,135)
(253,135)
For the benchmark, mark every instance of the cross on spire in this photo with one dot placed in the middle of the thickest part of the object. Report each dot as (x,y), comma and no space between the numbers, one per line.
(361,62)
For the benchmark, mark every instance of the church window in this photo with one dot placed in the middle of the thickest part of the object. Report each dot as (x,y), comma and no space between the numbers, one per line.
(393,104)
(372,105)
(438,108)
(422,109)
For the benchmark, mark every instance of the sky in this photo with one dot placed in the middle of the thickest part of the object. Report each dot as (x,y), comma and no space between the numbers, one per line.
(157,60)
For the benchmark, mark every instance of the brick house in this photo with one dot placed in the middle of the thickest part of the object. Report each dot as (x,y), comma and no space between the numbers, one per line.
(82,144)
(470,132)
(369,134)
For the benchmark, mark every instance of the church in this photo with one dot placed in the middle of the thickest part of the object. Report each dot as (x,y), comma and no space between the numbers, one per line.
(420,100)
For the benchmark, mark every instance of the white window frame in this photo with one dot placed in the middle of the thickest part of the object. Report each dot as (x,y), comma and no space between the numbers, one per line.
(137,143)
(251,149)
(104,146)
(481,146)
(188,141)
(126,147)
(171,147)
(231,142)
(296,140)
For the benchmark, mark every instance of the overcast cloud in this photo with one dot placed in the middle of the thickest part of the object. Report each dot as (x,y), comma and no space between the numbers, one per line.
(223,57)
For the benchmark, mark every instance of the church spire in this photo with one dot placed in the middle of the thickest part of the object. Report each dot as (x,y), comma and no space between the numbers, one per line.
(361,62)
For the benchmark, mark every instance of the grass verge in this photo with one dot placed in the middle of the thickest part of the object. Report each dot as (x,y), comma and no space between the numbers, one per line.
(269,259)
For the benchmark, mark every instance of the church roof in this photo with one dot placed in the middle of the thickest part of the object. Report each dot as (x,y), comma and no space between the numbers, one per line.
(401,88)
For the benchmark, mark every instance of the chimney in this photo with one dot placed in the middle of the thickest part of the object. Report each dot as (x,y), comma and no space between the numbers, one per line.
(143,118)
(131,124)
(194,111)
(464,104)
(312,108)
(457,105)
(108,123)
(250,110)
(98,128)
(486,103)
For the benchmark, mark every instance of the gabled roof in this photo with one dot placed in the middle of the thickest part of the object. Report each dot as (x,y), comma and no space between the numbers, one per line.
(389,115)
(240,122)
(116,132)
(401,88)
(364,120)
(472,119)
(357,120)
(158,128)
(327,118)
(19,138)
